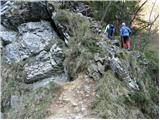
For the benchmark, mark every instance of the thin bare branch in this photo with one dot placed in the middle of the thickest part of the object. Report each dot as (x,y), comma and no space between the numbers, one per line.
(135,14)
(148,25)
(151,14)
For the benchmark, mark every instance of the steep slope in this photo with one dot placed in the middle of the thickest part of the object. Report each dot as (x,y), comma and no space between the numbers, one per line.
(83,75)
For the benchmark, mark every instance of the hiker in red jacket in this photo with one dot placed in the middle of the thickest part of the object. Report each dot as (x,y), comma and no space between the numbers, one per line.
(125,33)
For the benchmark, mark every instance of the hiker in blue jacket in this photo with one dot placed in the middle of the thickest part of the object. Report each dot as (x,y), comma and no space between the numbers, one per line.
(125,33)
(109,30)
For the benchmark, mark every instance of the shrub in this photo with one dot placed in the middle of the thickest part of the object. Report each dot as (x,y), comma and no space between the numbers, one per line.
(81,45)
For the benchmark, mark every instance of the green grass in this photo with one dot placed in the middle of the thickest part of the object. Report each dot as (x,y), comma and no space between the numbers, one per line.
(147,97)
(144,101)
(34,104)
(109,101)
(82,44)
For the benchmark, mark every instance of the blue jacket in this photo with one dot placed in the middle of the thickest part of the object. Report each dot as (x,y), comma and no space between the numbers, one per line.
(125,31)
(111,30)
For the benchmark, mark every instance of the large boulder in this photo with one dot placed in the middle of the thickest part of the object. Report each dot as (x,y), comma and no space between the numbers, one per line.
(39,69)
(35,27)
(33,38)
(42,29)
(46,65)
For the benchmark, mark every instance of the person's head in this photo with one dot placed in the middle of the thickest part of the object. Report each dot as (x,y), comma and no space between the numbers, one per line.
(123,24)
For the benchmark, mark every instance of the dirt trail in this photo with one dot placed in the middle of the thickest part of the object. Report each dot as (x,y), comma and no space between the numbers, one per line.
(75,99)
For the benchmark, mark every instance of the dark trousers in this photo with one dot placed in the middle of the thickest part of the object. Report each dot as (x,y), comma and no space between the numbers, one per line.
(126,42)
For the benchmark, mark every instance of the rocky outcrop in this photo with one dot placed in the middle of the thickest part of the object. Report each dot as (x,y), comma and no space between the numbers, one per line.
(122,72)
(39,69)
(111,61)
(14,13)
(45,65)
(33,38)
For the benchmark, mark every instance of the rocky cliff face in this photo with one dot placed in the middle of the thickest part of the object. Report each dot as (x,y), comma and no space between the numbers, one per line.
(30,44)
(42,43)
(36,40)
(15,13)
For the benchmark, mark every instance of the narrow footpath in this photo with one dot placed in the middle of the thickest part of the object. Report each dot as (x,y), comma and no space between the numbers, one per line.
(74,100)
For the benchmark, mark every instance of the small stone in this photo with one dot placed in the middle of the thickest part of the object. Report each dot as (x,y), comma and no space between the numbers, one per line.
(74,104)
(87,95)
(83,108)
(67,111)
(98,58)
(15,101)
(101,68)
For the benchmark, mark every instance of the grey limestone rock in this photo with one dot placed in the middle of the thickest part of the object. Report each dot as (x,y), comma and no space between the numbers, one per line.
(14,13)
(8,37)
(15,52)
(47,64)
(34,37)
